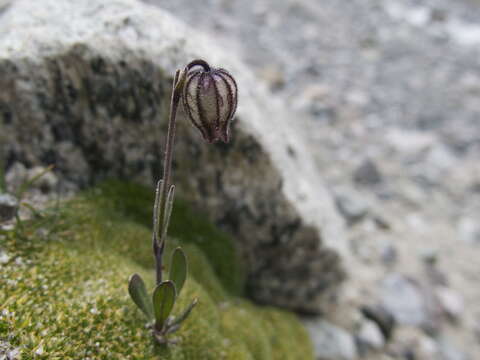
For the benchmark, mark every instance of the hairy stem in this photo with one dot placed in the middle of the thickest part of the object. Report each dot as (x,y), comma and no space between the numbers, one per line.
(161,198)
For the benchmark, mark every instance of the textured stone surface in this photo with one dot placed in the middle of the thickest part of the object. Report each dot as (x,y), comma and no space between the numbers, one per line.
(331,342)
(370,335)
(403,299)
(85,86)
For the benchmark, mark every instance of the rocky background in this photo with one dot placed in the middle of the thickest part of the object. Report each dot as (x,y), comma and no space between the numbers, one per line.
(388,92)
(382,96)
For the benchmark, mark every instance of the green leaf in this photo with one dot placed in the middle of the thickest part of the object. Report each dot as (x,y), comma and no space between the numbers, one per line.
(178,320)
(156,209)
(168,211)
(139,295)
(163,300)
(178,269)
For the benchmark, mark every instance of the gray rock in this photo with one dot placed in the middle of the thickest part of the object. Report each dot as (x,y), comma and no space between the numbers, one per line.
(412,343)
(448,351)
(469,230)
(441,158)
(367,173)
(451,302)
(351,205)
(408,142)
(403,299)
(331,342)
(427,348)
(370,335)
(8,207)
(383,318)
(95,78)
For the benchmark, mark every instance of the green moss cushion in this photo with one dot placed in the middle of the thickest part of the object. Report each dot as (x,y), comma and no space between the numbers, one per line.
(63,290)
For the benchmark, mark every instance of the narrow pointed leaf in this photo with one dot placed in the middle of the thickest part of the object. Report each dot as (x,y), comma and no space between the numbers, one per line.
(168,211)
(156,210)
(184,315)
(163,300)
(139,295)
(178,269)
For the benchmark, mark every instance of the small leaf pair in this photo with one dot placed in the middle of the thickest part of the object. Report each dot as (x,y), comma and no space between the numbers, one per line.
(159,307)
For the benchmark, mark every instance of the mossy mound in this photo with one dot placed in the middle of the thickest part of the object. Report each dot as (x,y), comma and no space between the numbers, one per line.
(63,291)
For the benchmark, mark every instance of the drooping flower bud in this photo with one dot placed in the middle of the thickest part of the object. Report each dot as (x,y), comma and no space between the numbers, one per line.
(210,100)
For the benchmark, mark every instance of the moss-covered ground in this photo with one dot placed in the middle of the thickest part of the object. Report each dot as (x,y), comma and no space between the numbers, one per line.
(63,289)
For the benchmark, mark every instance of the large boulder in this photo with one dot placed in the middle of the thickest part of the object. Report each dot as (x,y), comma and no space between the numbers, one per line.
(85,86)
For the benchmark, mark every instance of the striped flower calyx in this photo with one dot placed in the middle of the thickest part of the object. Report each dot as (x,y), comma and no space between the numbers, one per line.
(210,100)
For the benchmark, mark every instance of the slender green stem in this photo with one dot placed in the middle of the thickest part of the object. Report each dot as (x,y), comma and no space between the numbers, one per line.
(167,162)
(161,199)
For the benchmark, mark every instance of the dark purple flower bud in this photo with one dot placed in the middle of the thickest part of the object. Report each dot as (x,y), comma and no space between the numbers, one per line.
(210,100)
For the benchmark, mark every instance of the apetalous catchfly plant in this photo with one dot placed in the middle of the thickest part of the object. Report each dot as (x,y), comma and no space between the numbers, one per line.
(209,97)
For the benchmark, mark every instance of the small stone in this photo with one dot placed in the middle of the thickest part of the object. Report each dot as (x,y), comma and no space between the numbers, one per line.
(427,348)
(403,299)
(412,343)
(450,301)
(409,143)
(450,352)
(331,342)
(381,317)
(367,174)
(316,92)
(370,335)
(469,230)
(441,158)
(8,207)
(351,206)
